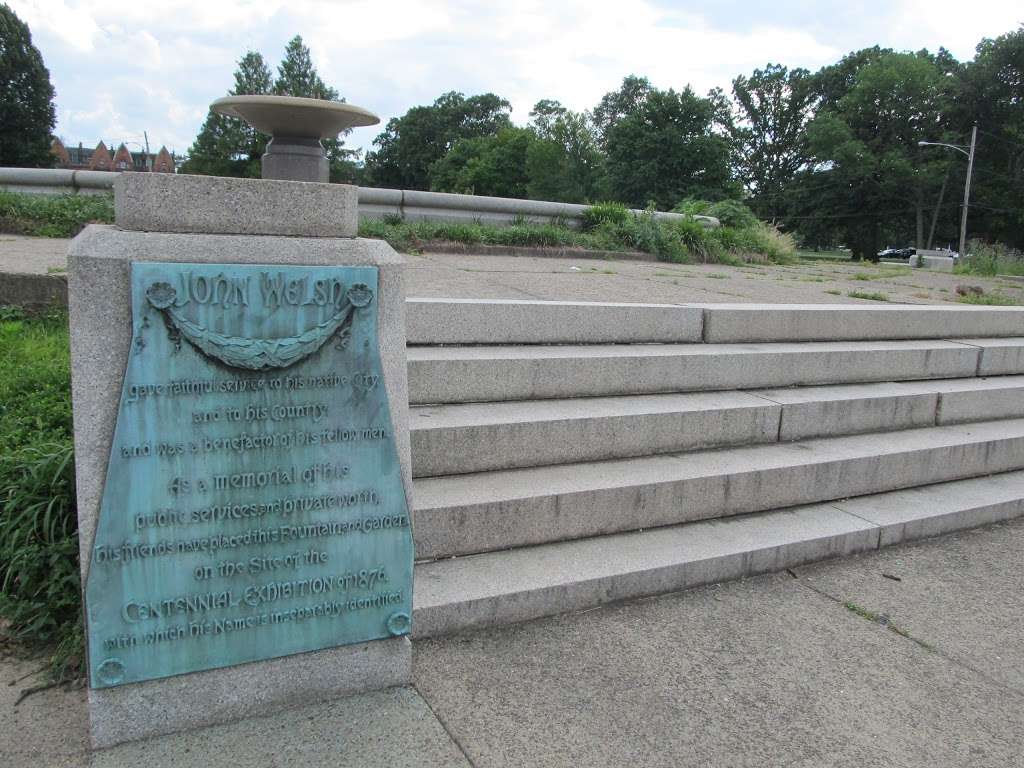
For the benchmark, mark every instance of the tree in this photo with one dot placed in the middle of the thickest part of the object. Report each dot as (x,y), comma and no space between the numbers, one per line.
(227,146)
(615,105)
(565,163)
(992,94)
(772,109)
(486,165)
(870,170)
(28,116)
(411,144)
(296,76)
(667,150)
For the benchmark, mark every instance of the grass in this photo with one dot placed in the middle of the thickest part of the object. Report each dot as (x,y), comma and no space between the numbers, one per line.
(835,292)
(39,576)
(52,215)
(815,256)
(885,274)
(680,242)
(869,296)
(989,260)
(609,227)
(989,299)
(884,621)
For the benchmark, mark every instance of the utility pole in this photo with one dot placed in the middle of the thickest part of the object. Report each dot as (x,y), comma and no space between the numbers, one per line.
(935,213)
(967,192)
(967,185)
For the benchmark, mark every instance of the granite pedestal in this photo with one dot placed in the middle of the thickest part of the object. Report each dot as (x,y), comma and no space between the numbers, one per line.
(101,340)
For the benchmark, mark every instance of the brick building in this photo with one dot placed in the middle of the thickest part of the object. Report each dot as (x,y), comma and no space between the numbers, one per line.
(99,159)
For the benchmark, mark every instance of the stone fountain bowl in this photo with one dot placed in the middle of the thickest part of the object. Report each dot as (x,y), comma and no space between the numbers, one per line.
(293,116)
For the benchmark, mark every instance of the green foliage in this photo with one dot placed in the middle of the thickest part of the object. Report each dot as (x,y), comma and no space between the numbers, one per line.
(667,149)
(52,215)
(565,164)
(868,296)
(693,207)
(699,242)
(768,129)
(990,259)
(874,178)
(615,105)
(730,213)
(27,114)
(611,228)
(227,146)
(615,214)
(990,93)
(411,144)
(39,572)
(733,213)
(486,165)
(988,299)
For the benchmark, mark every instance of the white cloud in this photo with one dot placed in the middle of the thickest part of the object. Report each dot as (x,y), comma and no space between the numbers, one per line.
(123,68)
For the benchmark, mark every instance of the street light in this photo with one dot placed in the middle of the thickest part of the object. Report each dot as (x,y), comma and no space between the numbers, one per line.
(967,185)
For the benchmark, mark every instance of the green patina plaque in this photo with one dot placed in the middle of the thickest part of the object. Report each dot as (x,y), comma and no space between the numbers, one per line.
(254,504)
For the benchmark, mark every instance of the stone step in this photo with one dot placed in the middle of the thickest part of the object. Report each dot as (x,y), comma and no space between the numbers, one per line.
(481,321)
(520,584)
(479,437)
(463,514)
(732,323)
(501,373)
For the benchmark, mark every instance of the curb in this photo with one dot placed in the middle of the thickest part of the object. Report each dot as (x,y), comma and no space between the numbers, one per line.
(33,293)
(536,252)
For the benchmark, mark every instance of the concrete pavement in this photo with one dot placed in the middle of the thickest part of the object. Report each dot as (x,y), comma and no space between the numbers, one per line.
(583,279)
(906,657)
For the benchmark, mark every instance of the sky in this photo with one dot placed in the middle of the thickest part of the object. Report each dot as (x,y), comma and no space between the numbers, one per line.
(125,70)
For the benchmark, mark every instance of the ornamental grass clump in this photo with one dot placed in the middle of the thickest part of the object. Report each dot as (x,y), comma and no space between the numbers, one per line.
(39,568)
(53,215)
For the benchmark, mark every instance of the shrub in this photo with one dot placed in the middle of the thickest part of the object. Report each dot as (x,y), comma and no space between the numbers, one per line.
(605,213)
(693,207)
(610,227)
(733,213)
(39,581)
(868,296)
(53,215)
(990,259)
(698,241)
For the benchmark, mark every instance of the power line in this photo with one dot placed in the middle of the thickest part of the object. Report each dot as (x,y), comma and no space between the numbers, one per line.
(1001,138)
(872,215)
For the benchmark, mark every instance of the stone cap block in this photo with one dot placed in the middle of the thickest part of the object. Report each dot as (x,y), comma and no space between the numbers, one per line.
(218,205)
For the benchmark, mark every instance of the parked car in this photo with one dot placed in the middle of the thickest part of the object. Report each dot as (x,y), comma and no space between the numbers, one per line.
(897,253)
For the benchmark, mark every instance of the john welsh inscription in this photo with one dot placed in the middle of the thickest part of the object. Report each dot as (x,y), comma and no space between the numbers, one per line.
(254,504)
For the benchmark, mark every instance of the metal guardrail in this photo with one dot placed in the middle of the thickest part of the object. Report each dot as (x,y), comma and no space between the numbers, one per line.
(409,205)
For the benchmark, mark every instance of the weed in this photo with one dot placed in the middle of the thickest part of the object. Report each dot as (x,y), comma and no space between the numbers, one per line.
(884,621)
(988,299)
(869,296)
(990,259)
(53,215)
(835,292)
(39,576)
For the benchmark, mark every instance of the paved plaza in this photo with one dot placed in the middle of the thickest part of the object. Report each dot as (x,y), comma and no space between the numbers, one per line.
(586,279)
(906,657)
